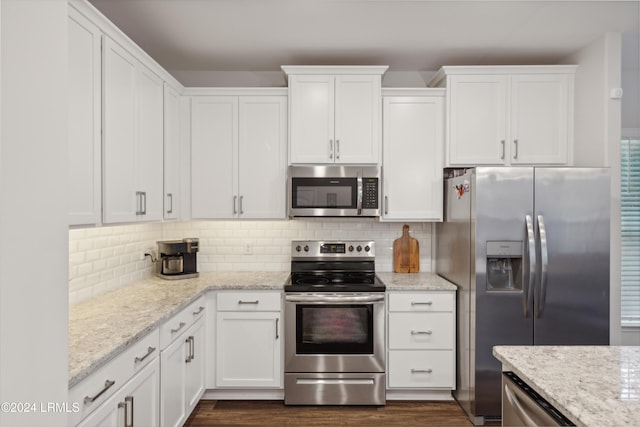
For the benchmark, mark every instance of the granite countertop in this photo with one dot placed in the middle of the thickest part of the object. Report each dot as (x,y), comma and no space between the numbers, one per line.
(101,328)
(590,385)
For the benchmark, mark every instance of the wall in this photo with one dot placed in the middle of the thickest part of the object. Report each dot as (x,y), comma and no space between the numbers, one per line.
(33,218)
(597,137)
(105,258)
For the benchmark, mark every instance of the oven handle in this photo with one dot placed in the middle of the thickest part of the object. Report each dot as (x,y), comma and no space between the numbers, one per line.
(329,298)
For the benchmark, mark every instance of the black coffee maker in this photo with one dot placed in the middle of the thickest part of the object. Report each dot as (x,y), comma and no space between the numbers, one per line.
(177,259)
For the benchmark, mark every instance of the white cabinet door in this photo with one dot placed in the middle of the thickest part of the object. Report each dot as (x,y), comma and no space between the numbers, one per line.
(477,120)
(84,120)
(119,134)
(136,403)
(311,115)
(172,153)
(194,379)
(357,119)
(413,136)
(238,157)
(262,157)
(150,142)
(173,386)
(539,119)
(214,155)
(334,118)
(132,138)
(248,350)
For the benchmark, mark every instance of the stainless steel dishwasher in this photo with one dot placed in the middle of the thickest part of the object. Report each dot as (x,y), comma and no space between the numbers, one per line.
(522,406)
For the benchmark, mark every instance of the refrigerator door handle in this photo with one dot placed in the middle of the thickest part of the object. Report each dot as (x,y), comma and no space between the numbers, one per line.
(530,273)
(544,261)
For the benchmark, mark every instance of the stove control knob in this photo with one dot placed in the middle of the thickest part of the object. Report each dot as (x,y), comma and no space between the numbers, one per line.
(298,248)
(367,248)
(350,248)
(306,248)
(359,248)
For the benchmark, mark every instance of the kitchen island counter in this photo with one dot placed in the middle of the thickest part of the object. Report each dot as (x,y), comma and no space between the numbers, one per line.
(590,385)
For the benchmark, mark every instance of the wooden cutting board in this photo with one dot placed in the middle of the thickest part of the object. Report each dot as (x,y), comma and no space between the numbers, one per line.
(406,253)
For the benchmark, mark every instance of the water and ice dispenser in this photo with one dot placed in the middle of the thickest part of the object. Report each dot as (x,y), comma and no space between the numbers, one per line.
(504,265)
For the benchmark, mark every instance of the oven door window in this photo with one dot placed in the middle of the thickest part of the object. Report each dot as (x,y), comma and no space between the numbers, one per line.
(334,329)
(325,193)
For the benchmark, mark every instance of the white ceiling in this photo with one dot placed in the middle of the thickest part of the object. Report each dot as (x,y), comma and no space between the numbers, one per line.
(407,35)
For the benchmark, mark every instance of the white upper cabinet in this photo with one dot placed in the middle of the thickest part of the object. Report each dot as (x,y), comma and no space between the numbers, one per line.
(508,115)
(84,121)
(132,138)
(334,114)
(238,156)
(172,153)
(413,138)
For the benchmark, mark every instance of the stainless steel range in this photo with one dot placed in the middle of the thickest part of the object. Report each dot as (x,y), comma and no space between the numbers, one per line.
(334,325)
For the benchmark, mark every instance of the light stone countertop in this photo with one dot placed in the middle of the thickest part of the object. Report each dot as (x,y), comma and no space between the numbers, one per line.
(101,328)
(593,386)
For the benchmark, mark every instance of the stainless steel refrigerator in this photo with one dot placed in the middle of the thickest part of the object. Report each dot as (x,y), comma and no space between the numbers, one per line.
(528,248)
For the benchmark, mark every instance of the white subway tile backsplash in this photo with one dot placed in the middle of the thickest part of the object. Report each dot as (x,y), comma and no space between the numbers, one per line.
(105,258)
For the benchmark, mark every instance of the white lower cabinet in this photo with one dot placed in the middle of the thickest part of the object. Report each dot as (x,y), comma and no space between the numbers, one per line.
(182,364)
(135,404)
(421,340)
(127,386)
(249,340)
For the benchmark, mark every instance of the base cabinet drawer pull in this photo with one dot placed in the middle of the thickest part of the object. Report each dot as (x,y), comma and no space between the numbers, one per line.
(200,309)
(421,332)
(421,371)
(180,326)
(421,303)
(248,302)
(107,385)
(149,351)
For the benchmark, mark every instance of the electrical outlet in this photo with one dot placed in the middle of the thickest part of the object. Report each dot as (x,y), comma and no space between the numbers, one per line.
(248,248)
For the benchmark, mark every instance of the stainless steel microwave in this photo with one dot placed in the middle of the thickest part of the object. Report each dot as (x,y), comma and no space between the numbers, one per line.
(334,191)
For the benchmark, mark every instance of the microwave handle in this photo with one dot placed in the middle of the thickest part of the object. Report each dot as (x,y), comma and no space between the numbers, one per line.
(359,201)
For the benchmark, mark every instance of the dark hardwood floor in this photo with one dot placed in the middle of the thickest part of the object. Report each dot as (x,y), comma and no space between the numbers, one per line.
(274,413)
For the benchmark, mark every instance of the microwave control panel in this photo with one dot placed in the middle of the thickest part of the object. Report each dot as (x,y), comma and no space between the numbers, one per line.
(370,193)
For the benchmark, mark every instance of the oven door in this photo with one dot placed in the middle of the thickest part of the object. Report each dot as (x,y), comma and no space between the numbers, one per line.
(334,332)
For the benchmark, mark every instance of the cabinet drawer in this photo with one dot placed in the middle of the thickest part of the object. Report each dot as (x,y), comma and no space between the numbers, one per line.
(179,323)
(421,331)
(421,301)
(421,369)
(249,301)
(91,392)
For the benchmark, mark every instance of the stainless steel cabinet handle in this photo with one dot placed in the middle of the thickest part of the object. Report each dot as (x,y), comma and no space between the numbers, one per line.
(515,143)
(248,302)
(421,332)
(107,385)
(386,205)
(143,200)
(529,272)
(180,326)
(331,149)
(277,334)
(544,260)
(129,402)
(502,156)
(139,203)
(235,203)
(337,149)
(421,302)
(200,309)
(149,351)
(190,341)
(170,196)
(421,371)
(193,347)
(241,210)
